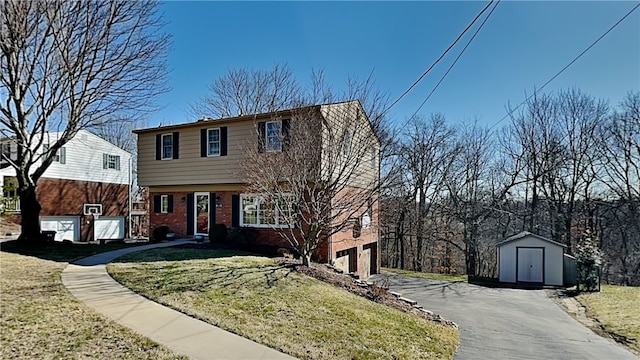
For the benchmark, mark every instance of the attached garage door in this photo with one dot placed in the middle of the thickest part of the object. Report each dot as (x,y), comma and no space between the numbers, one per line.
(66,227)
(108,228)
(366,262)
(530,265)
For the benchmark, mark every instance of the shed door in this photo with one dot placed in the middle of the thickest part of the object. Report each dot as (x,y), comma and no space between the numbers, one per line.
(530,265)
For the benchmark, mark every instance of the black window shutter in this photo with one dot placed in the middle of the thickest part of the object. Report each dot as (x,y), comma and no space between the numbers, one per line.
(159,147)
(223,141)
(176,144)
(170,201)
(157,200)
(261,136)
(190,215)
(203,142)
(212,209)
(235,210)
(286,130)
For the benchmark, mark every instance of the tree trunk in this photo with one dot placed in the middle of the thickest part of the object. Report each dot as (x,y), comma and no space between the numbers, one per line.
(30,213)
(306,259)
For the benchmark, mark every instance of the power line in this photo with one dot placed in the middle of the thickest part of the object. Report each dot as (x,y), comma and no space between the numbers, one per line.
(456,59)
(535,92)
(438,59)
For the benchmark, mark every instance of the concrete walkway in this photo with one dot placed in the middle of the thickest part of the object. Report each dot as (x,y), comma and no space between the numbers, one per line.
(88,280)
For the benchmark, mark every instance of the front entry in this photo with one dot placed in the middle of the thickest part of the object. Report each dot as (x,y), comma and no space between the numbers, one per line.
(201,211)
(530,265)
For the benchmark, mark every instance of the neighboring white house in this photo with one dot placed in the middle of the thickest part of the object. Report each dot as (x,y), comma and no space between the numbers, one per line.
(530,259)
(86,170)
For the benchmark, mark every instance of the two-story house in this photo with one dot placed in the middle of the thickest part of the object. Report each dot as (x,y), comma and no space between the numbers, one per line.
(87,174)
(196,179)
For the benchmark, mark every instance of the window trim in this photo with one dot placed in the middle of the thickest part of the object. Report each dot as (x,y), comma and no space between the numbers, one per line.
(116,162)
(162,146)
(268,148)
(209,154)
(277,224)
(163,209)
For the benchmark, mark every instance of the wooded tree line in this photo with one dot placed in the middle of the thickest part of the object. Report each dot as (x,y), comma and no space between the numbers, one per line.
(564,164)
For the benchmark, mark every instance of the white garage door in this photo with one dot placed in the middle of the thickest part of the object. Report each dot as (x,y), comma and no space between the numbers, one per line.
(66,227)
(530,262)
(108,228)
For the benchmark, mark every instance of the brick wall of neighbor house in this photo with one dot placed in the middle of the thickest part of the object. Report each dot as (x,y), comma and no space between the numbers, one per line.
(67,197)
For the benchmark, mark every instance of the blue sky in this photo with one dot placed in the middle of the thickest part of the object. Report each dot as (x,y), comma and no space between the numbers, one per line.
(522,45)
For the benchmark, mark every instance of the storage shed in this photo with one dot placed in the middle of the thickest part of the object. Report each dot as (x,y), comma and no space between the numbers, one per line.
(530,259)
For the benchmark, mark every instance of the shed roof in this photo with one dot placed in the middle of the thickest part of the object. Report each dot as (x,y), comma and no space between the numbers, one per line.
(524,234)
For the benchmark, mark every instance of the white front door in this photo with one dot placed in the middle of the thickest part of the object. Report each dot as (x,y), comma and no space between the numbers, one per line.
(530,265)
(201,211)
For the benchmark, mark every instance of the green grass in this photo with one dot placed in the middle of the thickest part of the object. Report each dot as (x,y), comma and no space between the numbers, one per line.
(276,306)
(617,308)
(40,319)
(431,276)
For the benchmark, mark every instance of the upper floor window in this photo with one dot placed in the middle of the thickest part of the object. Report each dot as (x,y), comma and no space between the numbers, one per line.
(60,155)
(273,136)
(213,142)
(6,151)
(111,161)
(167,146)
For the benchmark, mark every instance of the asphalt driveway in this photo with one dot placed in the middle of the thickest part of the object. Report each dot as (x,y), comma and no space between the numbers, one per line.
(507,323)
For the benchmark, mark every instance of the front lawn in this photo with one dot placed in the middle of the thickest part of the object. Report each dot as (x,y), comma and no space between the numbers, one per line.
(431,276)
(40,319)
(617,308)
(281,308)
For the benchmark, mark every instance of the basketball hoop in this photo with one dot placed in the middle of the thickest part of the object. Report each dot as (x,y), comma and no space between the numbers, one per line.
(94,210)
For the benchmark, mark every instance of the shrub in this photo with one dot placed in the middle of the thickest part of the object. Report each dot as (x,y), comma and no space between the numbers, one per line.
(588,261)
(218,233)
(160,233)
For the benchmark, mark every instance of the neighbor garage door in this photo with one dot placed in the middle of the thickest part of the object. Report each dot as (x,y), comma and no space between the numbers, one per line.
(66,227)
(108,228)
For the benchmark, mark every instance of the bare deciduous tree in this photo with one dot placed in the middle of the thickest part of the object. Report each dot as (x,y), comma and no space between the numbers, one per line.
(246,92)
(65,66)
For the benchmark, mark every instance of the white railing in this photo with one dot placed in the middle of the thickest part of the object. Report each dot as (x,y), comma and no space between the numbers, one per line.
(12,205)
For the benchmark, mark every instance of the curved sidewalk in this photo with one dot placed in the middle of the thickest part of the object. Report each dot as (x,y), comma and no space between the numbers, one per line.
(88,280)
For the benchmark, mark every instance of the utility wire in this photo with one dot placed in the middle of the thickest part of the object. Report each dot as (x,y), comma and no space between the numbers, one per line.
(438,59)
(535,92)
(456,59)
